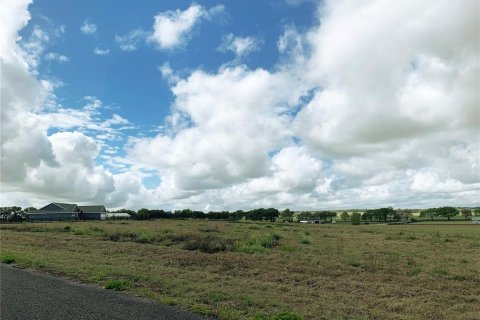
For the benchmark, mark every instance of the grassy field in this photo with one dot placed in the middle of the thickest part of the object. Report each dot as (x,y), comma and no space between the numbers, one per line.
(257,270)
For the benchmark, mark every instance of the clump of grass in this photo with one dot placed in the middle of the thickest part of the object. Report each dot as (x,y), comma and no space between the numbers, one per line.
(414,271)
(202,309)
(144,237)
(353,261)
(285,315)
(169,301)
(95,278)
(118,285)
(97,230)
(79,232)
(208,244)
(67,228)
(259,243)
(437,271)
(209,230)
(120,236)
(254,227)
(8,259)
(305,241)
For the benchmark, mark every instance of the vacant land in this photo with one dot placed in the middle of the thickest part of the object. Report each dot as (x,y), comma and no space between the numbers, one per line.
(246,270)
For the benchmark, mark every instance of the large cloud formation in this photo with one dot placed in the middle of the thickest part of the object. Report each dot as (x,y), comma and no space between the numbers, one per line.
(376,105)
(37,167)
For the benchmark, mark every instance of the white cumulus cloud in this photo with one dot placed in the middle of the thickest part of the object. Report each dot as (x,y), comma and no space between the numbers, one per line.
(88,27)
(240,46)
(101,52)
(172,28)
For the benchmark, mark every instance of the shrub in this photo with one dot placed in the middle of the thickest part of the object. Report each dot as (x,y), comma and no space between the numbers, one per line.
(209,244)
(8,259)
(118,285)
(259,243)
(145,238)
(120,236)
(267,240)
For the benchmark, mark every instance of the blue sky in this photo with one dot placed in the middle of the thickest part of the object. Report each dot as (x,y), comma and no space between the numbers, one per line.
(215,105)
(131,81)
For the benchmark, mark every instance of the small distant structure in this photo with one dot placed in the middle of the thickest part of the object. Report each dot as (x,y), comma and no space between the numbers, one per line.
(476,220)
(116,216)
(311,220)
(56,211)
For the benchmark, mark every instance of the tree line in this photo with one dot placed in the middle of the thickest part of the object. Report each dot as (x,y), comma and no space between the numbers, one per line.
(271,214)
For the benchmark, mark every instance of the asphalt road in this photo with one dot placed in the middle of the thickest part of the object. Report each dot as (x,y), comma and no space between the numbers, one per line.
(31,295)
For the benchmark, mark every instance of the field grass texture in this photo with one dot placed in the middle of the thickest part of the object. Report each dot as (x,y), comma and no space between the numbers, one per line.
(247,270)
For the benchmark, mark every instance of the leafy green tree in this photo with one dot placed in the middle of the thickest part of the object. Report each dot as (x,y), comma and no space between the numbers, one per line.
(344,216)
(405,214)
(467,213)
(286,215)
(447,212)
(476,212)
(368,215)
(142,214)
(11,213)
(431,212)
(355,218)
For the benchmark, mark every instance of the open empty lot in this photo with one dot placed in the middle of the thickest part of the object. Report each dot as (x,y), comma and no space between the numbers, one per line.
(245,270)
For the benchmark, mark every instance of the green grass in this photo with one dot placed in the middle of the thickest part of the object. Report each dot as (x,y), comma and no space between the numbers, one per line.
(118,285)
(7,259)
(260,270)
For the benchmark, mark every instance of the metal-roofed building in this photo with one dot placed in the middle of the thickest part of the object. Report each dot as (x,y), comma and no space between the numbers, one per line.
(93,212)
(56,211)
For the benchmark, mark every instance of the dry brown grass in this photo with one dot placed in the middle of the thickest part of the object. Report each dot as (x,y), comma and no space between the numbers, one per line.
(316,271)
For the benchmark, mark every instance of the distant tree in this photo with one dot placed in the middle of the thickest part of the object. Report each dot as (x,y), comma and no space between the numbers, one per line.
(12,213)
(142,214)
(131,212)
(344,216)
(405,214)
(286,215)
(467,213)
(271,214)
(355,218)
(431,212)
(368,215)
(297,216)
(447,212)
(476,212)
(30,209)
